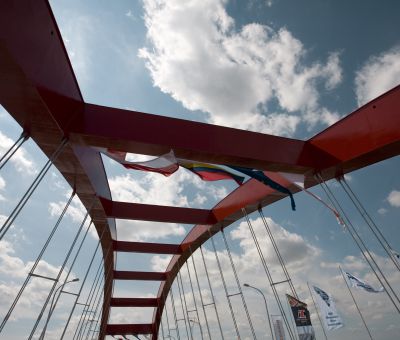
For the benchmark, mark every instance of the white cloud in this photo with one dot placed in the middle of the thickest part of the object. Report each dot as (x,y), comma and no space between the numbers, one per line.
(394,198)
(160,263)
(200,59)
(378,75)
(76,211)
(382,211)
(13,270)
(2,186)
(150,188)
(21,162)
(293,247)
(146,231)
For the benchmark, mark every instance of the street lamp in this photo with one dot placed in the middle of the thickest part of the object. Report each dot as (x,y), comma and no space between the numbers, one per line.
(266,306)
(51,309)
(191,324)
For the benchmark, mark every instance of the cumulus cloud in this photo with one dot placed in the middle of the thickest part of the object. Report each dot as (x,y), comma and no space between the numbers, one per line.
(21,162)
(151,188)
(394,198)
(199,58)
(13,270)
(379,74)
(294,248)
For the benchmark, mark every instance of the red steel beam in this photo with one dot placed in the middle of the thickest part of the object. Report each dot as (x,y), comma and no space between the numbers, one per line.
(134,302)
(139,132)
(146,247)
(128,329)
(157,213)
(136,275)
(368,135)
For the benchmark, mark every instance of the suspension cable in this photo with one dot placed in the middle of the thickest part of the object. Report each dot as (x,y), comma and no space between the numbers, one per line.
(238,284)
(184,309)
(201,295)
(91,304)
(174,313)
(38,258)
(194,301)
(59,275)
(212,293)
(92,307)
(13,149)
(162,328)
(369,221)
(13,215)
(53,306)
(267,272)
(166,315)
(225,287)
(358,240)
(83,283)
(89,298)
(278,253)
(110,271)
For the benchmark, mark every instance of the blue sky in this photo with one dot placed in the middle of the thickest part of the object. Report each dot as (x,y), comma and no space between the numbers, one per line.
(279,67)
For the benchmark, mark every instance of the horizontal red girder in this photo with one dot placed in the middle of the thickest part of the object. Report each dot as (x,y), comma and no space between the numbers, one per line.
(157,213)
(143,276)
(134,302)
(146,247)
(127,329)
(139,132)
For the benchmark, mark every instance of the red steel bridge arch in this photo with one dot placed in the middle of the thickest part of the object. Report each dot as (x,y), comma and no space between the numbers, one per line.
(39,89)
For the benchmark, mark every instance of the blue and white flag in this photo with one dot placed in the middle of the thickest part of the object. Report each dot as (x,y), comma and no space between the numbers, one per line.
(327,308)
(359,284)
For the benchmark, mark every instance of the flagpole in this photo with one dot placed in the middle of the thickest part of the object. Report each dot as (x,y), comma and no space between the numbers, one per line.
(355,303)
(316,309)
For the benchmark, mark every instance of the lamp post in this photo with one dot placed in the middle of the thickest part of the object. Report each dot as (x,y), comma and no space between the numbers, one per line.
(266,307)
(191,324)
(51,309)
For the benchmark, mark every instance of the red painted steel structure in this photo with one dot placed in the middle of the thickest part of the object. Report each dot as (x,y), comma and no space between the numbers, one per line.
(39,89)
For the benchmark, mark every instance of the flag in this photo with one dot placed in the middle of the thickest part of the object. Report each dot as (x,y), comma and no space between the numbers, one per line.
(208,172)
(260,176)
(328,311)
(302,319)
(165,164)
(359,284)
(298,180)
(279,331)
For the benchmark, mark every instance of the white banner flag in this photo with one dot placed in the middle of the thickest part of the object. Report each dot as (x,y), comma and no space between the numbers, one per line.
(279,331)
(360,284)
(327,309)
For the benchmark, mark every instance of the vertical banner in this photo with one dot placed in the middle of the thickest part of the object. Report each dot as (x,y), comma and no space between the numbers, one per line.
(327,308)
(302,319)
(279,331)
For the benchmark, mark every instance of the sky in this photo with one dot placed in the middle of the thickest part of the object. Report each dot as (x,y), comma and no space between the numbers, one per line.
(279,67)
